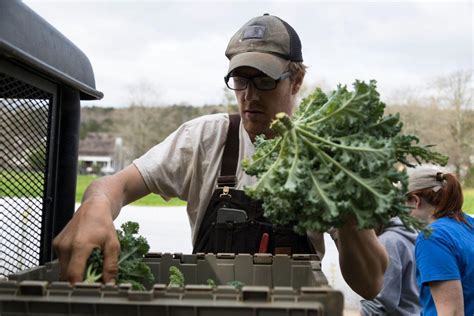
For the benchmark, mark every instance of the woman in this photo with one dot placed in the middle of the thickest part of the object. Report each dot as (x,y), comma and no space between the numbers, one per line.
(445,255)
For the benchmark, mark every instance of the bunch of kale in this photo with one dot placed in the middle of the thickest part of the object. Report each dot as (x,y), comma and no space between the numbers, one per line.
(338,157)
(132,268)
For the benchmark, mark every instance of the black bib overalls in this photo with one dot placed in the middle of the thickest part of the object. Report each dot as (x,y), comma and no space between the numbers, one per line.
(243,236)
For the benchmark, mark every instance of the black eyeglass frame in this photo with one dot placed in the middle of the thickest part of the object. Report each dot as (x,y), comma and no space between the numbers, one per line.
(283,76)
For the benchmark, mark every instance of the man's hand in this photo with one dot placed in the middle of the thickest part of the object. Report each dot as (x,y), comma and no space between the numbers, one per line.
(91,227)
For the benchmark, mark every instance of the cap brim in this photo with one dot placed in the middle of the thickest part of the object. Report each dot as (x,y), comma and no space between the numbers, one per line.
(271,65)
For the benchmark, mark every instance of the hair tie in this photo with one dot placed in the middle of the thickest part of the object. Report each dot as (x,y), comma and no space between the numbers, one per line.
(439,176)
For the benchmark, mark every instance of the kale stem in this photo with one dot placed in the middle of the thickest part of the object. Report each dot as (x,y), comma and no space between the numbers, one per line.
(321,139)
(317,112)
(308,106)
(321,109)
(330,204)
(296,156)
(340,109)
(274,165)
(91,275)
(281,124)
(127,255)
(353,176)
(268,153)
(323,154)
(316,150)
(353,97)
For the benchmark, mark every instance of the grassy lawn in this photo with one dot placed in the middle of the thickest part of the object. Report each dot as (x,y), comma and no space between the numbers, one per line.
(156,200)
(24,184)
(468,205)
(149,200)
(12,185)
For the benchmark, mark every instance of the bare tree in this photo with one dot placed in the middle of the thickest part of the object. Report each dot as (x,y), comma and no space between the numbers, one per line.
(144,93)
(146,123)
(138,124)
(454,92)
(229,100)
(441,114)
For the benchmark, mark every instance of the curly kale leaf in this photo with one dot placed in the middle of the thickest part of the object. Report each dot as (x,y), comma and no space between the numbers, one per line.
(237,284)
(211,282)
(94,267)
(132,269)
(176,277)
(335,159)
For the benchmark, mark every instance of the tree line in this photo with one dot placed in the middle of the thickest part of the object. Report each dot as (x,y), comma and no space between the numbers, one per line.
(440,114)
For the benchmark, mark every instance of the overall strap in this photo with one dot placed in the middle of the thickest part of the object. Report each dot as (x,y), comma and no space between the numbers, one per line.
(230,156)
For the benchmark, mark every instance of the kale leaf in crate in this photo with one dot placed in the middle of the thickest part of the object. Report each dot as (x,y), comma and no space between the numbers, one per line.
(132,269)
(176,277)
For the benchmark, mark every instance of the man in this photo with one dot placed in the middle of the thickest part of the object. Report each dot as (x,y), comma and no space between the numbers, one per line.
(200,163)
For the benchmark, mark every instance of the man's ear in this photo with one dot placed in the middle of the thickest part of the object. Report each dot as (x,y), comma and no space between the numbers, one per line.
(297,82)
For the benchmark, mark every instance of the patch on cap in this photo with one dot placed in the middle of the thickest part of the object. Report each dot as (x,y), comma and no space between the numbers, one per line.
(266,43)
(253,32)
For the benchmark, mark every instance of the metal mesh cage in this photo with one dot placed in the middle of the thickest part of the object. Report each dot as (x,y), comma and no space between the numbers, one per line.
(24,154)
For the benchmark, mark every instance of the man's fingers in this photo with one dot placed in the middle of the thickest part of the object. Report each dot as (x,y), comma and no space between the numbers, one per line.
(77,263)
(111,255)
(62,249)
(64,258)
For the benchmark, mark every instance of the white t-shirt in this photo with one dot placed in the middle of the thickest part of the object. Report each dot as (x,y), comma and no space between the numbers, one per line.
(187,163)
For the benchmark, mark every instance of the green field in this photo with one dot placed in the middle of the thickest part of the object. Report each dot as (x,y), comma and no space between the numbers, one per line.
(14,185)
(22,184)
(156,200)
(468,205)
(149,200)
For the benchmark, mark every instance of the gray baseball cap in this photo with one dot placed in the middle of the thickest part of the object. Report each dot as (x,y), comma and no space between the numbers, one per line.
(266,43)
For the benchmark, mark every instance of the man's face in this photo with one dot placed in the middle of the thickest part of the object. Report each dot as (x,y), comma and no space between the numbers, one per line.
(258,107)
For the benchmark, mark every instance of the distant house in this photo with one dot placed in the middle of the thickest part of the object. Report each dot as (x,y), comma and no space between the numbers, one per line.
(100,153)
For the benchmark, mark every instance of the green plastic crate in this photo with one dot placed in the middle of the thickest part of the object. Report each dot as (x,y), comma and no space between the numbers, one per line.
(274,285)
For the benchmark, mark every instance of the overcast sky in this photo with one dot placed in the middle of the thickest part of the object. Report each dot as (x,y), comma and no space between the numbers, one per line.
(177,49)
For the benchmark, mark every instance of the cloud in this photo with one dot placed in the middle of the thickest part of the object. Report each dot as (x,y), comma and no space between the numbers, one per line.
(178,47)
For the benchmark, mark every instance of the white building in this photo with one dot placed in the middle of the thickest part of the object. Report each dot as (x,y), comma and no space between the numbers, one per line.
(100,153)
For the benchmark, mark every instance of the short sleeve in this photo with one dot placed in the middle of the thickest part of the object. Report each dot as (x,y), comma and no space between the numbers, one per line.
(166,168)
(436,258)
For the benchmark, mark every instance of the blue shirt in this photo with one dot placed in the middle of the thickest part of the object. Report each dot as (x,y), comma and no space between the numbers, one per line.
(446,254)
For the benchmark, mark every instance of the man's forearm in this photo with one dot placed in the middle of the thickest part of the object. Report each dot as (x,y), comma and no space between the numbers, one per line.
(117,190)
(363,260)
(105,191)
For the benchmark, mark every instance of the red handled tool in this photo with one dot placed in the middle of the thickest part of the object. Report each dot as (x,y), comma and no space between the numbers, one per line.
(263,243)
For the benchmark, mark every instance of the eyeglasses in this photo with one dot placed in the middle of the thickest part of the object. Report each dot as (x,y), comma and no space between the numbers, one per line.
(259,82)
